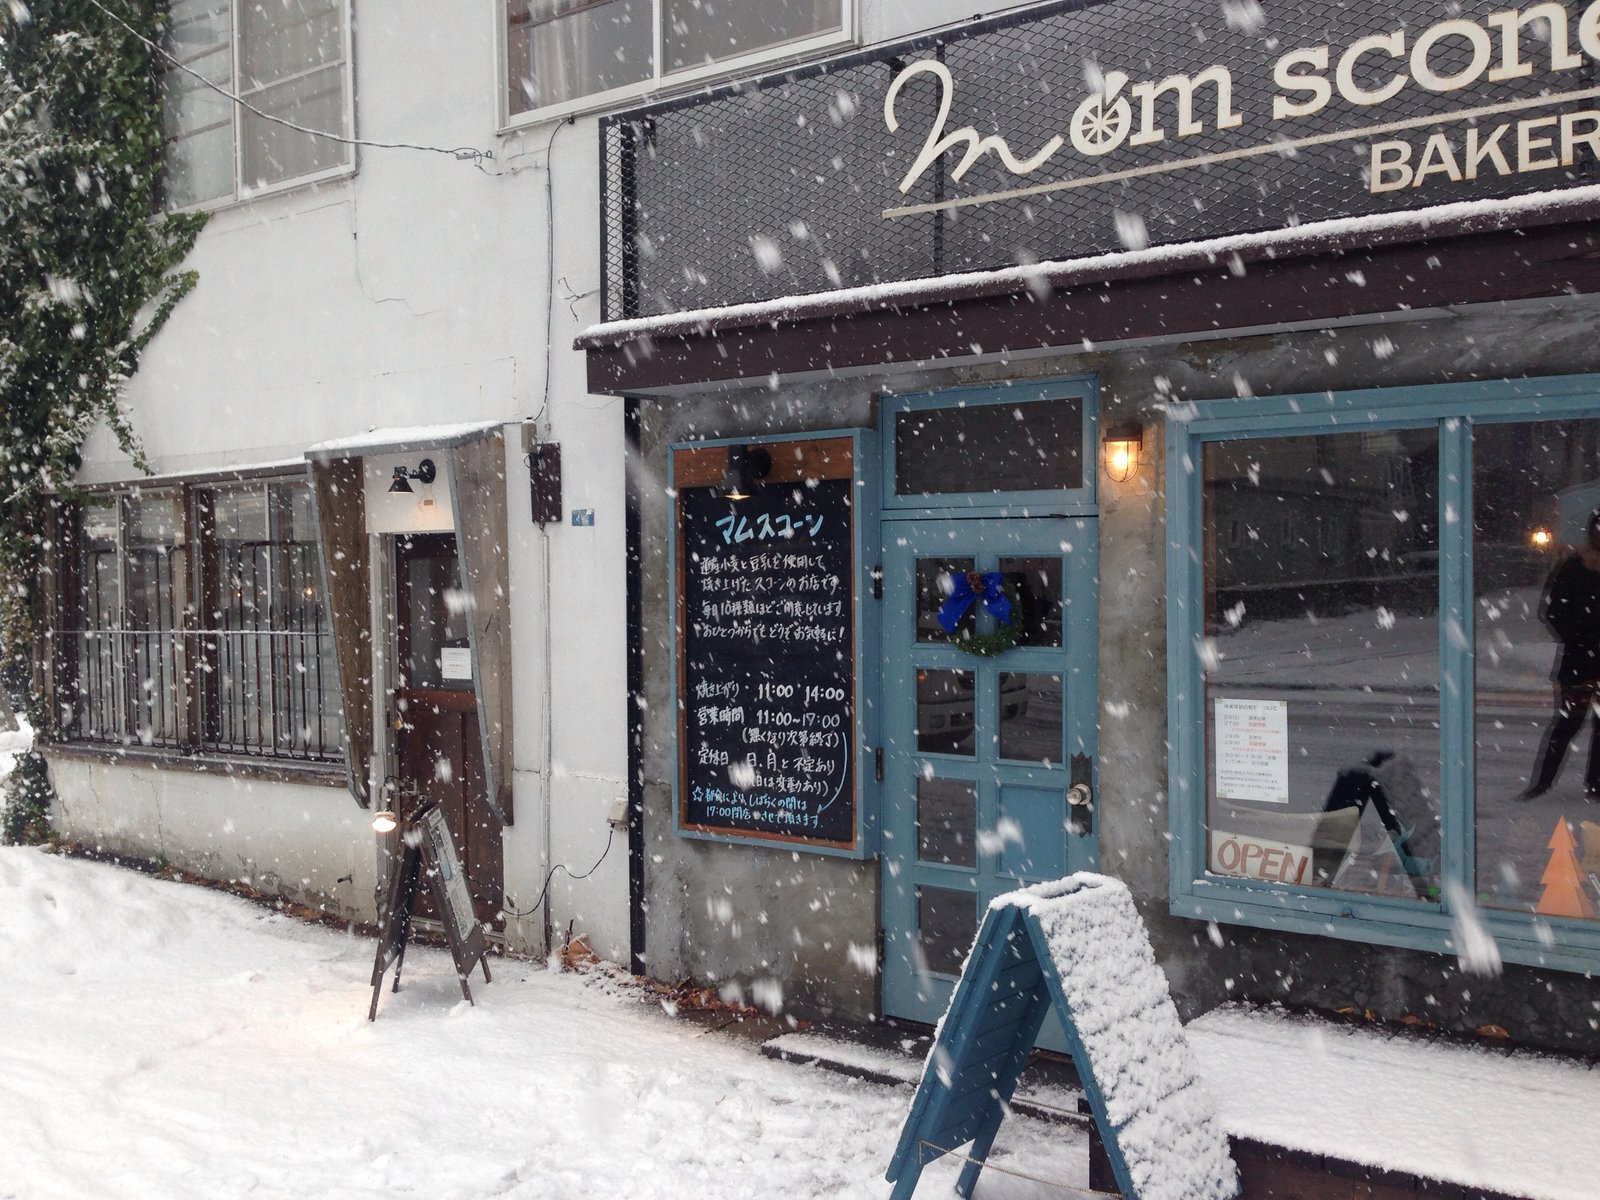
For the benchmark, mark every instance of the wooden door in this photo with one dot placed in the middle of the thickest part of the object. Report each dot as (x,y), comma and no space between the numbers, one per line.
(437,739)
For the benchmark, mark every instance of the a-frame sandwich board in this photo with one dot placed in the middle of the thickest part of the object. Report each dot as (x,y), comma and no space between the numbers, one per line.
(1077,944)
(428,859)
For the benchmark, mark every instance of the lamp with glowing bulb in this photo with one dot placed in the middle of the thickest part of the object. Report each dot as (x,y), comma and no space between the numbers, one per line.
(1123,443)
(384,821)
(1541,538)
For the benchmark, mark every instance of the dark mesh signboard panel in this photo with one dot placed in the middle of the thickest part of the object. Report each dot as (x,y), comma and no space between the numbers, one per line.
(782,187)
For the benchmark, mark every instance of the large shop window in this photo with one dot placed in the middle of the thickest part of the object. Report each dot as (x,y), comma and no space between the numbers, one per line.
(562,51)
(1385,658)
(193,620)
(288,59)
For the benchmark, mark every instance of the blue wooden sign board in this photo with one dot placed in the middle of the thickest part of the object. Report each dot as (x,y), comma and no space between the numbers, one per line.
(1078,945)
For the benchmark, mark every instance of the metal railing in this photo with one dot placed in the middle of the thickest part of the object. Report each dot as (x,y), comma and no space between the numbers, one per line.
(268,693)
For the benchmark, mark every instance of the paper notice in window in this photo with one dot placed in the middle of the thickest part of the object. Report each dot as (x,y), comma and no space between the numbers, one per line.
(455,662)
(1252,750)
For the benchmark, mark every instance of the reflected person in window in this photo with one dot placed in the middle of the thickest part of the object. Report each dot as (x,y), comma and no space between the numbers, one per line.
(1571,609)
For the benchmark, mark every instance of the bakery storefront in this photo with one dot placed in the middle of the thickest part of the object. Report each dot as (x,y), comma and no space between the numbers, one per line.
(1126,437)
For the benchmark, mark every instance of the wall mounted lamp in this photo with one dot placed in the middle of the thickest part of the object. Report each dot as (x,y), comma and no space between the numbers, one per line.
(1123,443)
(424,474)
(384,821)
(1541,538)
(747,467)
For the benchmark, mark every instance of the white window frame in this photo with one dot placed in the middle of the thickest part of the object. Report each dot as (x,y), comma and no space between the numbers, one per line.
(242,194)
(658,85)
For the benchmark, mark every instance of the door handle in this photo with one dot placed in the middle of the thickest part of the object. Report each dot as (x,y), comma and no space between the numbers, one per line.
(1080,809)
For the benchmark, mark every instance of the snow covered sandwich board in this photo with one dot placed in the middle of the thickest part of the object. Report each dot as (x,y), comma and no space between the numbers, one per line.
(428,853)
(1078,942)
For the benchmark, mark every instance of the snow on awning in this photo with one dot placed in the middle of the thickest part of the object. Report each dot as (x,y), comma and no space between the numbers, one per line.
(402,438)
(1314,237)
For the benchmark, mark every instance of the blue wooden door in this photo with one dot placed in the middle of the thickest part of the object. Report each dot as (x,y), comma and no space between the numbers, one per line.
(980,752)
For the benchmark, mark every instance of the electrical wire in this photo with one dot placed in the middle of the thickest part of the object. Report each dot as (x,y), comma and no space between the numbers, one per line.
(512,912)
(462,153)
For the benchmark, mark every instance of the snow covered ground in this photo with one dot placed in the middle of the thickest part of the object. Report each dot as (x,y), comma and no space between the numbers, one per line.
(1525,1125)
(159,1040)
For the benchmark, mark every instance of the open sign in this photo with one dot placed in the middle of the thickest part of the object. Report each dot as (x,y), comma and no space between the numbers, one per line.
(1245,857)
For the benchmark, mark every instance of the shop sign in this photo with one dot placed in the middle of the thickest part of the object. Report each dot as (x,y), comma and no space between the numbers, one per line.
(1246,857)
(767,646)
(1366,74)
(1076,130)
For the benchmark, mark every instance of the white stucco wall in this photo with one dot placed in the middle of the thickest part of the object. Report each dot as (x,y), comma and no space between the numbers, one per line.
(420,291)
(307,842)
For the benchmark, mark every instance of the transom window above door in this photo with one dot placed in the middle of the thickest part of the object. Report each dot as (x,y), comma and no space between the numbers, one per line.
(1016,448)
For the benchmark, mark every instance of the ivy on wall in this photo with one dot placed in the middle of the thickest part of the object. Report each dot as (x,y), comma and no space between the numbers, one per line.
(88,274)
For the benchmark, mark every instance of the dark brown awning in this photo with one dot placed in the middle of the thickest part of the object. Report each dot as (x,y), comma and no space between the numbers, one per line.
(1469,254)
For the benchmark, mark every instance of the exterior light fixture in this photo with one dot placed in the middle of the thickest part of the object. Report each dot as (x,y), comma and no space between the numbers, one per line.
(384,821)
(1541,538)
(1123,443)
(747,467)
(424,474)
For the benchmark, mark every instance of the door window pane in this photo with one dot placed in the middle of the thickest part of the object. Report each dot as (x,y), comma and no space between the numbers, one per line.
(947,921)
(935,579)
(697,32)
(945,711)
(562,49)
(1030,717)
(1034,585)
(1536,589)
(987,448)
(1321,657)
(947,821)
(437,645)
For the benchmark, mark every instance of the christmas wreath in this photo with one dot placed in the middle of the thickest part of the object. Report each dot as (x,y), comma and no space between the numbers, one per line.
(967,589)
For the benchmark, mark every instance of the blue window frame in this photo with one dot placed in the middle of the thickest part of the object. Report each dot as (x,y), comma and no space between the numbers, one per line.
(1422,446)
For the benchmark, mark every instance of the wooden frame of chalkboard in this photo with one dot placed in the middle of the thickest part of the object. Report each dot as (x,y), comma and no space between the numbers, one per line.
(773,616)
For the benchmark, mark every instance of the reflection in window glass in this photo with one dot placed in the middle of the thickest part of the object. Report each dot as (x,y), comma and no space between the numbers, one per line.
(1536,589)
(699,32)
(947,921)
(1034,585)
(437,638)
(1030,717)
(562,49)
(935,581)
(1321,661)
(945,711)
(947,821)
(986,448)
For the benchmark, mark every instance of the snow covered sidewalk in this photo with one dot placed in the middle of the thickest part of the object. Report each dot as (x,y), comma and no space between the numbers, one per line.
(162,1040)
(1522,1124)
(159,1040)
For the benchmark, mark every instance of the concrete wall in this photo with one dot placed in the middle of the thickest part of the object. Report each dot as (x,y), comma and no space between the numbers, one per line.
(728,912)
(304,841)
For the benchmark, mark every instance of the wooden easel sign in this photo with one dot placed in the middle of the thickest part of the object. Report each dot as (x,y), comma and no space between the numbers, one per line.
(1078,943)
(428,858)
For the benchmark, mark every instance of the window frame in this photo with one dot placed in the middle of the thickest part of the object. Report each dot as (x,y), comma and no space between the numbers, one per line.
(240,193)
(1454,408)
(658,85)
(194,702)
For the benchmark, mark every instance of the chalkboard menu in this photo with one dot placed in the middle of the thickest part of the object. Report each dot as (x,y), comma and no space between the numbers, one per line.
(767,646)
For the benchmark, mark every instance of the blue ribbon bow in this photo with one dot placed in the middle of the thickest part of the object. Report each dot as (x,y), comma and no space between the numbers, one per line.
(962,597)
